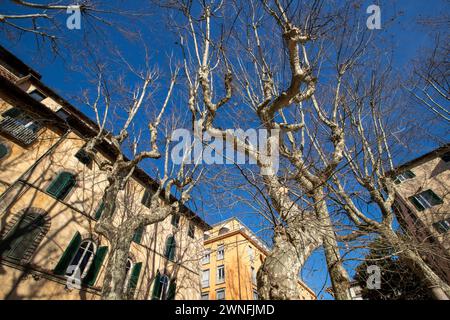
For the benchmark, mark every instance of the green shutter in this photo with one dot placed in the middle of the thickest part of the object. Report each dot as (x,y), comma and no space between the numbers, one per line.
(138,234)
(146,199)
(170,248)
(68,254)
(156,287)
(94,269)
(172,290)
(135,275)
(61,186)
(99,211)
(3,150)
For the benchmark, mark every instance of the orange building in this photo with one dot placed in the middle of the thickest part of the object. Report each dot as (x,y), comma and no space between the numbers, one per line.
(233,255)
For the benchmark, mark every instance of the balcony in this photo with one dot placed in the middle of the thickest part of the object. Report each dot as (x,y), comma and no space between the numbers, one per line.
(23,131)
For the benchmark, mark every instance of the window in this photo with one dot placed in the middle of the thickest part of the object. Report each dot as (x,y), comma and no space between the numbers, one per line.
(205,278)
(36,95)
(442,226)
(191,230)
(223,230)
(132,276)
(19,125)
(255,295)
(62,114)
(82,259)
(446,156)
(23,237)
(170,248)
(79,260)
(138,234)
(3,150)
(220,294)
(220,252)
(206,257)
(175,220)
(205,296)
(251,253)
(99,211)
(147,198)
(163,288)
(406,175)
(83,156)
(61,186)
(425,199)
(253,272)
(220,274)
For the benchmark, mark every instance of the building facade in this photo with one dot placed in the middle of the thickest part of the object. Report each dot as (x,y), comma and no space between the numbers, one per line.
(423,206)
(233,255)
(50,200)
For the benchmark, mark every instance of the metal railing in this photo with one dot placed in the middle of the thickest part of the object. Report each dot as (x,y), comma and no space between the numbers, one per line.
(17,130)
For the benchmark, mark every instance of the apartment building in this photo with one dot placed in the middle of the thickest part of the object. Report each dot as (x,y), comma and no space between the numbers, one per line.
(50,200)
(423,205)
(233,255)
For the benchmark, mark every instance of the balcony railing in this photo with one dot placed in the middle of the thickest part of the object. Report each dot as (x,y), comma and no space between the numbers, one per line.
(17,130)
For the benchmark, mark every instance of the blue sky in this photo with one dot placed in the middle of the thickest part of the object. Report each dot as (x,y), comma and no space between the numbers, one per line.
(66,74)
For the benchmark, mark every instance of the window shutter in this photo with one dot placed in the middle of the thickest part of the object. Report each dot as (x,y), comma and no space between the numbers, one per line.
(172,290)
(68,254)
(99,211)
(146,199)
(138,234)
(135,275)
(156,287)
(170,248)
(61,186)
(94,269)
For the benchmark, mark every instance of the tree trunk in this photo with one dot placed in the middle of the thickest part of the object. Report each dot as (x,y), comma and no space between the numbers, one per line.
(278,276)
(115,272)
(338,275)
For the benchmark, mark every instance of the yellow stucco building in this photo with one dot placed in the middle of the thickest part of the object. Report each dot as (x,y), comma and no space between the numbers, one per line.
(50,200)
(233,255)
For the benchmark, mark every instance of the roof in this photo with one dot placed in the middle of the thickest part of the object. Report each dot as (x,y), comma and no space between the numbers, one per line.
(432,154)
(86,128)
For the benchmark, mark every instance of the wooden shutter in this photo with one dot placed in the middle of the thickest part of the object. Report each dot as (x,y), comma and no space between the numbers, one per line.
(156,287)
(138,234)
(68,254)
(146,199)
(99,211)
(135,276)
(94,269)
(172,290)
(170,248)
(61,186)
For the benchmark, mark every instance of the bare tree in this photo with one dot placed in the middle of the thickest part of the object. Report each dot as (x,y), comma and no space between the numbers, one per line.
(370,156)
(302,222)
(120,170)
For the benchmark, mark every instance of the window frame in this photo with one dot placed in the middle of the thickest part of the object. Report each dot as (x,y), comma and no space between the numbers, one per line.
(205,282)
(220,270)
(420,201)
(220,254)
(89,262)
(207,253)
(221,290)
(35,92)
